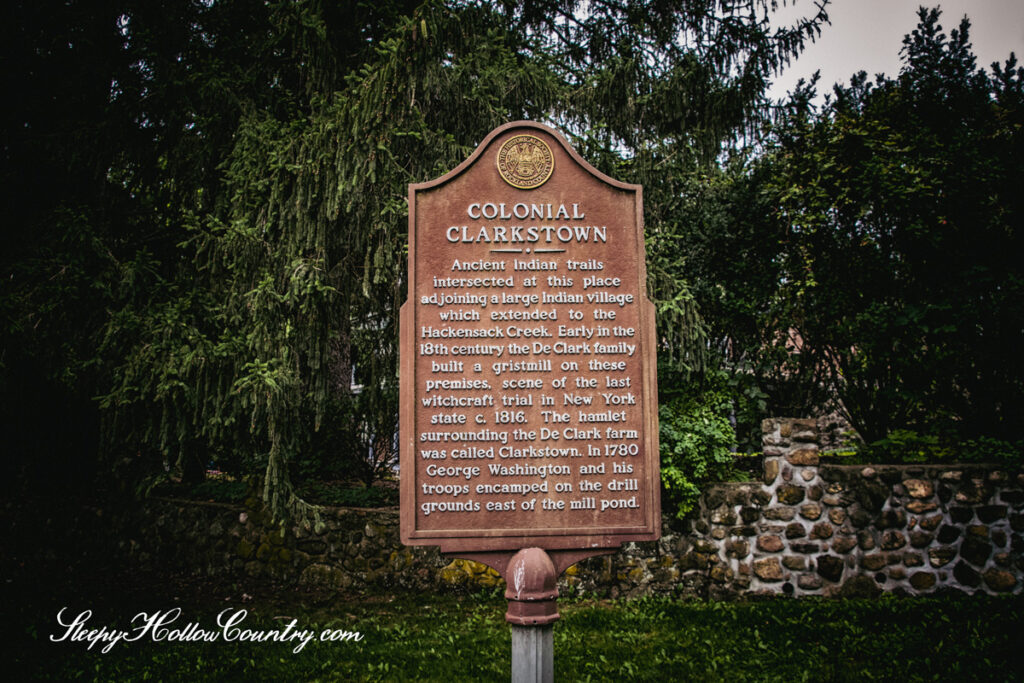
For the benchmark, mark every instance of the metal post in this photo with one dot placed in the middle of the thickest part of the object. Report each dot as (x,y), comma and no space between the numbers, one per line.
(532,593)
(533,654)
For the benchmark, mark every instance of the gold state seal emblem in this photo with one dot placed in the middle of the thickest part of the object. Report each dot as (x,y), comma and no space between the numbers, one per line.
(525,161)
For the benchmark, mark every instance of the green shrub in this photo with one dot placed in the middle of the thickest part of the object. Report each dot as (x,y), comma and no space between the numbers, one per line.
(908,446)
(696,447)
(216,490)
(330,493)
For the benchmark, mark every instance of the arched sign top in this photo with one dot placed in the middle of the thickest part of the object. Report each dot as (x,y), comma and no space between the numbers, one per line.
(525,128)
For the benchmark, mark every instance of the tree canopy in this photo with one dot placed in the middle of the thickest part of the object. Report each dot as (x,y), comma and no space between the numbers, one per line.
(862,260)
(903,234)
(209,196)
(207,210)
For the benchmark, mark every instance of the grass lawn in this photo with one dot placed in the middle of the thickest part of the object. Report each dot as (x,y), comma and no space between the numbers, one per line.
(462,638)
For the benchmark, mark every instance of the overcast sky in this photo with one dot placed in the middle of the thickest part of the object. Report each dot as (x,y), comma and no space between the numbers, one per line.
(866,35)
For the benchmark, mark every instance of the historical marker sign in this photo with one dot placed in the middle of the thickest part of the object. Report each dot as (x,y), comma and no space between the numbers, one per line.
(528,397)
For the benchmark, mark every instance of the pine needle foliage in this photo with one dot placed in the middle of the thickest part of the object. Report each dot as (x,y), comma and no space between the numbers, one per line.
(260,168)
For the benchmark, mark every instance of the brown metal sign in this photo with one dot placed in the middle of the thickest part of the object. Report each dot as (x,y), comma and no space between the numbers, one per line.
(528,396)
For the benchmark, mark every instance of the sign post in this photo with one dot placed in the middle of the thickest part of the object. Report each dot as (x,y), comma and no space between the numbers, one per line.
(528,420)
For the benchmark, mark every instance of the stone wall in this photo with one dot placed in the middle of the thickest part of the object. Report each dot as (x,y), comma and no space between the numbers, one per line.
(907,528)
(806,529)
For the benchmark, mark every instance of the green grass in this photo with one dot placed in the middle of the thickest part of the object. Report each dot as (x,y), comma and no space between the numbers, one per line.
(451,638)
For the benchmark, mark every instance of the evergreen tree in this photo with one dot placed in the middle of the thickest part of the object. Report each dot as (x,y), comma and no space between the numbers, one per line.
(259,155)
(901,255)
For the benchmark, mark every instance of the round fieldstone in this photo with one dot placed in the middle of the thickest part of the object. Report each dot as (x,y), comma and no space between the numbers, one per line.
(948,533)
(972,492)
(921,506)
(966,575)
(794,562)
(912,560)
(809,582)
(860,518)
(830,567)
(804,430)
(941,556)
(834,487)
(815,492)
(723,515)
(780,514)
(810,511)
(871,495)
(739,495)
(999,580)
(822,530)
(1017,543)
(991,513)
(978,531)
(804,547)
(920,539)
(998,477)
(769,543)
(693,560)
(771,470)
(892,519)
(844,544)
(930,523)
(893,540)
(837,516)
(749,514)
(795,530)
(768,569)
(714,497)
(922,581)
(703,545)
(865,539)
(873,562)
(721,574)
(803,457)
(919,488)
(790,494)
(737,549)
(945,493)
(960,514)
(975,550)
